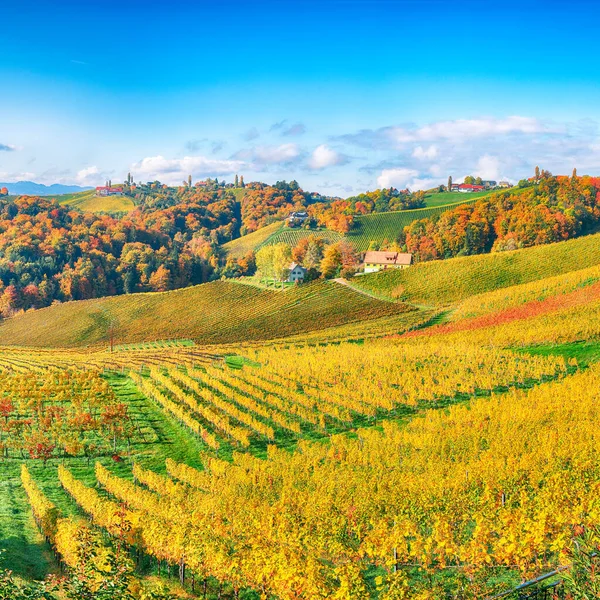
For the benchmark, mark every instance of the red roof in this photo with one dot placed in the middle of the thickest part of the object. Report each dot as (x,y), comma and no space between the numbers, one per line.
(470,186)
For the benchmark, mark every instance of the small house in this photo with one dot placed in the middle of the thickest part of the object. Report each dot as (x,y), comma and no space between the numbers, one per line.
(504,184)
(378,261)
(297,273)
(297,218)
(105,190)
(467,188)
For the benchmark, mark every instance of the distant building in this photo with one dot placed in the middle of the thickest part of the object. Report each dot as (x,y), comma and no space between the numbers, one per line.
(106,190)
(505,184)
(378,261)
(297,218)
(468,188)
(489,183)
(297,273)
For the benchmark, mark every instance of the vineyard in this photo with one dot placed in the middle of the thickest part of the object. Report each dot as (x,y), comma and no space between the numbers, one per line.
(215,313)
(232,447)
(386,227)
(440,283)
(251,241)
(376,227)
(88,201)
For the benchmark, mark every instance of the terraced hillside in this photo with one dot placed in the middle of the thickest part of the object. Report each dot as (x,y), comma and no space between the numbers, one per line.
(443,282)
(217,312)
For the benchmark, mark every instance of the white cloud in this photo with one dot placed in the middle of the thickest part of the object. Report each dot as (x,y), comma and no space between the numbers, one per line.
(261,156)
(276,154)
(398,178)
(488,167)
(88,176)
(323,156)
(14,177)
(425,153)
(456,131)
(467,128)
(173,171)
(423,183)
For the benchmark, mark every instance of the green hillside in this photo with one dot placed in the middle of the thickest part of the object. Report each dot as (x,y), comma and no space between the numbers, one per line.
(381,227)
(442,198)
(293,236)
(218,312)
(441,282)
(376,227)
(241,246)
(88,202)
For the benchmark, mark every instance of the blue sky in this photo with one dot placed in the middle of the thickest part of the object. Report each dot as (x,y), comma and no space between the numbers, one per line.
(342,95)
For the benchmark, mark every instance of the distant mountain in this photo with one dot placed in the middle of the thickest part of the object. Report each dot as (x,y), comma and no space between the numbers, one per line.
(30,188)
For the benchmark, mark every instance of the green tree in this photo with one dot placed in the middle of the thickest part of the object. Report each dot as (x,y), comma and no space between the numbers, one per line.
(479,181)
(470,179)
(190,181)
(242,184)
(450,183)
(236,182)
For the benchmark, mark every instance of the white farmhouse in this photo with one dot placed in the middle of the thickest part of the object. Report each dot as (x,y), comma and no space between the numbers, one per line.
(297,273)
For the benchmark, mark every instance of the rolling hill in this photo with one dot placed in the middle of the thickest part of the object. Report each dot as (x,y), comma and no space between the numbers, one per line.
(242,245)
(376,227)
(439,283)
(434,199)
(87,201)
(217,312)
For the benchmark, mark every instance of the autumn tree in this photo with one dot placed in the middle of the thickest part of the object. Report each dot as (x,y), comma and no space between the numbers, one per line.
(160,280)
(264,263)
(273,262)
(332,261)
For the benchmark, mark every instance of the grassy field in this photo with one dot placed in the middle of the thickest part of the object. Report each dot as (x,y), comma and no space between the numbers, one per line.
(88,202)
(217,312)
(442,198)
(440,283)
